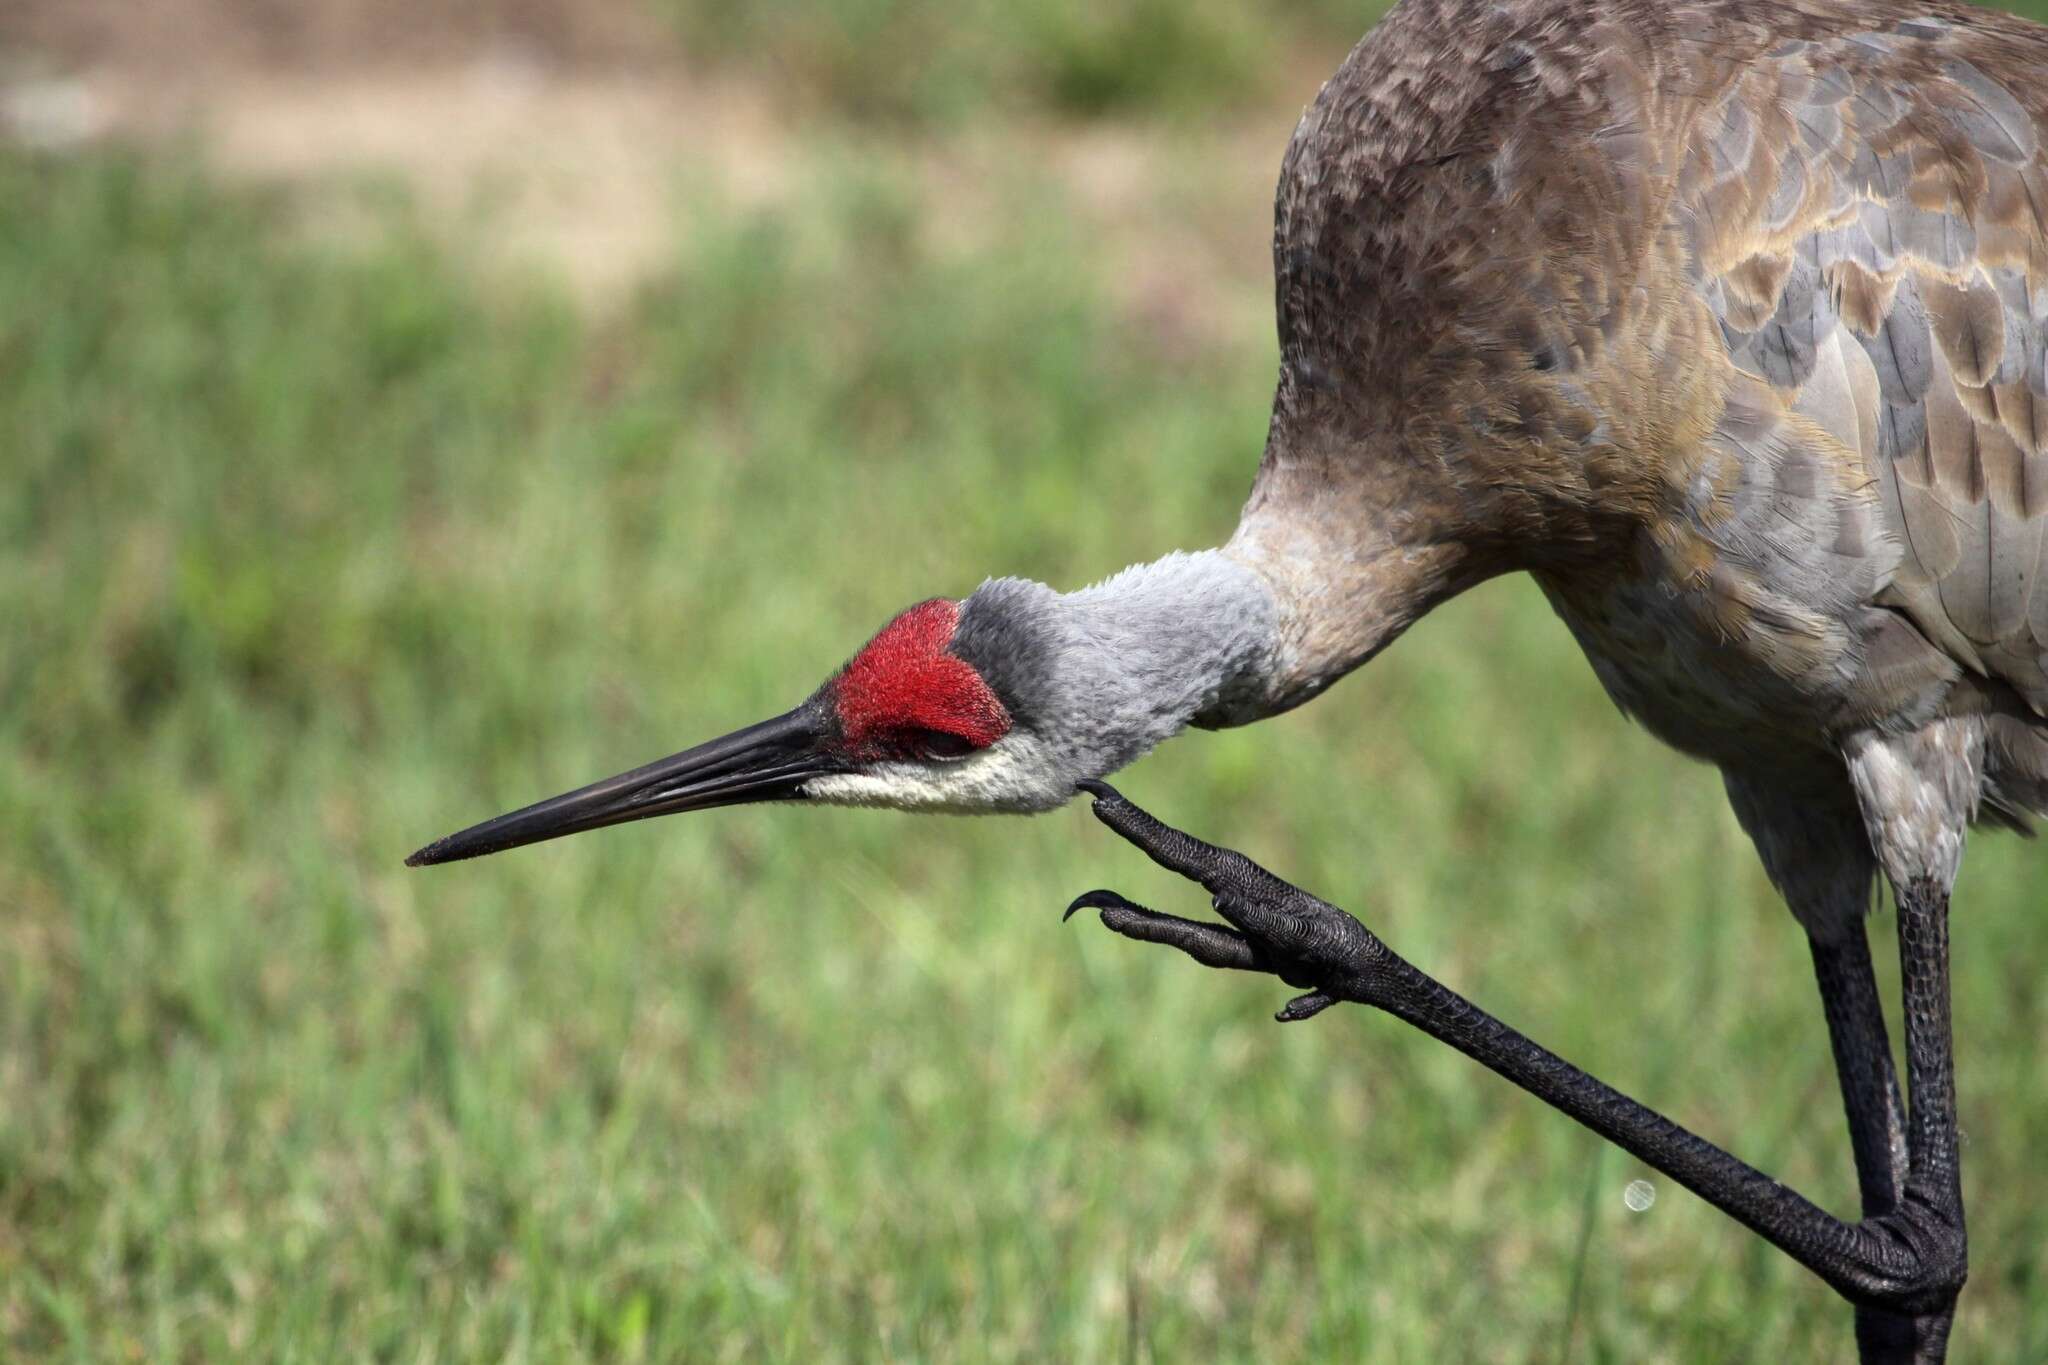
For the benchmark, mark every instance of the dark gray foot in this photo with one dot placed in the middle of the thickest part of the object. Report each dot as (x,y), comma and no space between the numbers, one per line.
(1274,927)
(1902,1268)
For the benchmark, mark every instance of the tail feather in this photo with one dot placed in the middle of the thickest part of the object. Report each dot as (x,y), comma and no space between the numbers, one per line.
(2015,771)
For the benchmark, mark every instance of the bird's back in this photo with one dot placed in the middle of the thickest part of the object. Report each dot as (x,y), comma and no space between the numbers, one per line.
(1728,319)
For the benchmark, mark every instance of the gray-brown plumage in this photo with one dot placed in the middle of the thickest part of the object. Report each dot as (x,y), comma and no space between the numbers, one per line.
(1727,321)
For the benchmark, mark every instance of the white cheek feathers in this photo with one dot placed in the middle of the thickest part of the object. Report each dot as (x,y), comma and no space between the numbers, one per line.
(1016,776)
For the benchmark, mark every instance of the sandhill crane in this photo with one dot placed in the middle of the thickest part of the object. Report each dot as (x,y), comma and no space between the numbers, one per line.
(1728,322)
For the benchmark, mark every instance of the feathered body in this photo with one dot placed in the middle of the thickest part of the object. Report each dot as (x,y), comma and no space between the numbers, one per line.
(1728,321)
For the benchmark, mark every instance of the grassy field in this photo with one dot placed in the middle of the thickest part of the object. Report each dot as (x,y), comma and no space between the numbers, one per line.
(906,62)
(310,552)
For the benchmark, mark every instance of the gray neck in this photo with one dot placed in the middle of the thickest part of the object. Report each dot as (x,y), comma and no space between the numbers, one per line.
(1101,675)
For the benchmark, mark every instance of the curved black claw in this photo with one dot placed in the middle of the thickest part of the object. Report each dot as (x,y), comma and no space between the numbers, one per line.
(1276,927)
(1212,945)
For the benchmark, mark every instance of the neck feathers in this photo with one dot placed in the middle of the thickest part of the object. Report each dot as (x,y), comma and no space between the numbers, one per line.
(1102,675)
(1350,563)
(1190,638)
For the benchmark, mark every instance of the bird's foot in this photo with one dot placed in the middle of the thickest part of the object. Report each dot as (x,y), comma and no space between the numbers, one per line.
(1273,926)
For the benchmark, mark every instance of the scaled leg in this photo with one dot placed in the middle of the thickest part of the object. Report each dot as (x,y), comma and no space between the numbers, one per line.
(1908,1261)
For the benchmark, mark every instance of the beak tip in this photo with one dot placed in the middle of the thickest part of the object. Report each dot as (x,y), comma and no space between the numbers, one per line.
(425,857)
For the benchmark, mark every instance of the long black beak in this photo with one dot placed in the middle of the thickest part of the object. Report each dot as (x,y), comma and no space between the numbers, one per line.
(766,762)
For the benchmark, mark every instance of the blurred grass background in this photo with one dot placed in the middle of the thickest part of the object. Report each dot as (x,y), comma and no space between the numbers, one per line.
(321,538)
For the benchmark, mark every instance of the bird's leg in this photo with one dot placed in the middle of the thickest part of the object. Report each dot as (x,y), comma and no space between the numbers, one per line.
(1908,1261)
(1863,1062)
(1870,1097)
(1931,1195)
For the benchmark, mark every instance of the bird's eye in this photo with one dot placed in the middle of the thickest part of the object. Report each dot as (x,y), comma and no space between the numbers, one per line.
(939,745)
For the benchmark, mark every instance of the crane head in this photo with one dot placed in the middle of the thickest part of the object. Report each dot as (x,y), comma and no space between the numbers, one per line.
(909,722)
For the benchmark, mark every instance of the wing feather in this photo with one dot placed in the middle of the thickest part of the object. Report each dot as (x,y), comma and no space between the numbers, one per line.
(1889,189)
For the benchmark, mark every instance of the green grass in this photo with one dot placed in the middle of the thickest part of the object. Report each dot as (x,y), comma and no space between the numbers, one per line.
(915,63)
(309,554)
(905,61)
